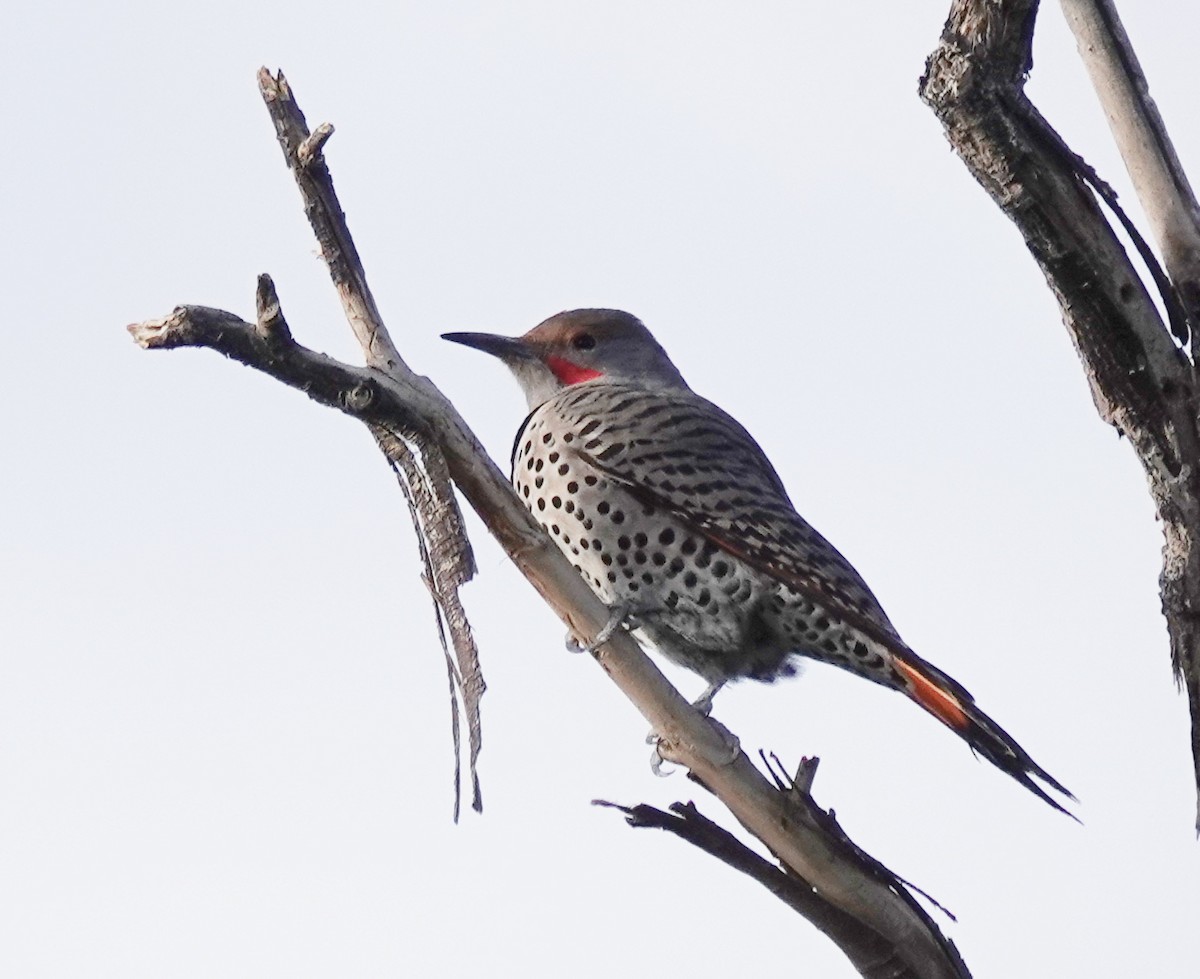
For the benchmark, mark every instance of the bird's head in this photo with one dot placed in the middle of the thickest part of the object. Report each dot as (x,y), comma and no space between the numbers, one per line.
(578,347)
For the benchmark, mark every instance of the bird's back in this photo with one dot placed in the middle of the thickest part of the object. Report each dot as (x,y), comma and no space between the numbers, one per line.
(662,500)
(671,511)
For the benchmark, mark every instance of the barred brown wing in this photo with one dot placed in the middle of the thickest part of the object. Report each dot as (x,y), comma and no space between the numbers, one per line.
(679,452)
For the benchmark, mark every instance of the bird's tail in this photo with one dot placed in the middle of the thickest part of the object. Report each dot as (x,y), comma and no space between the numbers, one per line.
(946,700)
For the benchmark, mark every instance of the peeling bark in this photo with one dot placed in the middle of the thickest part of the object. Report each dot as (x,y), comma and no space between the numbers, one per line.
(881,927)
(1142,380)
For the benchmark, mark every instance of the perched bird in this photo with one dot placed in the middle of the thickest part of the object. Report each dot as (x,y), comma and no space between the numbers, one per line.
(676,519)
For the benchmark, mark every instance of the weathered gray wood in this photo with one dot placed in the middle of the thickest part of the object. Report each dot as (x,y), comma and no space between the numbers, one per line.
(1141,381)
(387,395)
(874,960)
(1141,135)
(415,458)
(807,848)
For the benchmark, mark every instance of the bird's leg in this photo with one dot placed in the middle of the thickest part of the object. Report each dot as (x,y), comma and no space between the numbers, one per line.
(621,615)
(731,747)
(704,702)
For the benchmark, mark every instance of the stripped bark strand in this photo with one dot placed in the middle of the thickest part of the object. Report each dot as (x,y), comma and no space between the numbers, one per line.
(1142,382)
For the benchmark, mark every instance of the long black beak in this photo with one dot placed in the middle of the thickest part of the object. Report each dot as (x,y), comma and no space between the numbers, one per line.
(506,348)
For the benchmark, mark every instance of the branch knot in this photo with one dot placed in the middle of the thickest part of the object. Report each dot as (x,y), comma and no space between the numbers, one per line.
(359,399)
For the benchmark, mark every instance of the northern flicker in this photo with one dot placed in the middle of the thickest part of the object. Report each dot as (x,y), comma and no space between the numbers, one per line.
(676,519)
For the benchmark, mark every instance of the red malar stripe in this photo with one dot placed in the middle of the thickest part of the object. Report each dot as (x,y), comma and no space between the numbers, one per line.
(570,373)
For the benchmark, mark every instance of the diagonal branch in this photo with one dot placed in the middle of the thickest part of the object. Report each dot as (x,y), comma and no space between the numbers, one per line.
(1141,135)
(389,397)
(873,957)
(806,845)
(302,150)
(415,458)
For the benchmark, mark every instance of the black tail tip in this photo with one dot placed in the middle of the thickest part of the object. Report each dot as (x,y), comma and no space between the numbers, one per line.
(1024,777)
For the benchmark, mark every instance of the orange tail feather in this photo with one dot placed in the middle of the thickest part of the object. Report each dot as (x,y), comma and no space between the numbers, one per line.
(953,706)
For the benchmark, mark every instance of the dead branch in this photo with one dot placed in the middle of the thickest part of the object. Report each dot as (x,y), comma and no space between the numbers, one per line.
(870,954)
(1142,383)
(390,398)
(1141,135)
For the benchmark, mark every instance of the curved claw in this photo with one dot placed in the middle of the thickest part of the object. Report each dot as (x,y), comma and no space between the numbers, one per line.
(620,617)
(657,761)
(574,646)
(658,764)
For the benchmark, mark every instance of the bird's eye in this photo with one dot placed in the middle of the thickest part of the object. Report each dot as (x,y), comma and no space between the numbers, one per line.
(583,341)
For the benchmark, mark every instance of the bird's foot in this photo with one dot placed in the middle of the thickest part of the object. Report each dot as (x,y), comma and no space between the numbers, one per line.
(730,746)
(621,616)
(704,702)
(662,764)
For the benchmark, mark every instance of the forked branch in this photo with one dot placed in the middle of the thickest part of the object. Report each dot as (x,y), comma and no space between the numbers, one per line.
(1143,382)
(427,432)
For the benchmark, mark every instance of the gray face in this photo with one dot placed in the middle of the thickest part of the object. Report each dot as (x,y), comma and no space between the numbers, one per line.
(576,347)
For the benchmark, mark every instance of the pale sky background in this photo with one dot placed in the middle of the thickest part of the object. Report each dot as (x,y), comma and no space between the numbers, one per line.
(224,738)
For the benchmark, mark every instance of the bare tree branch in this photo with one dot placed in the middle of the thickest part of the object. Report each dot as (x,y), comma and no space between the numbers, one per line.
(806,846)
(1141,135)
(871,955)
(1141,382)
(388,396)
(415,458)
